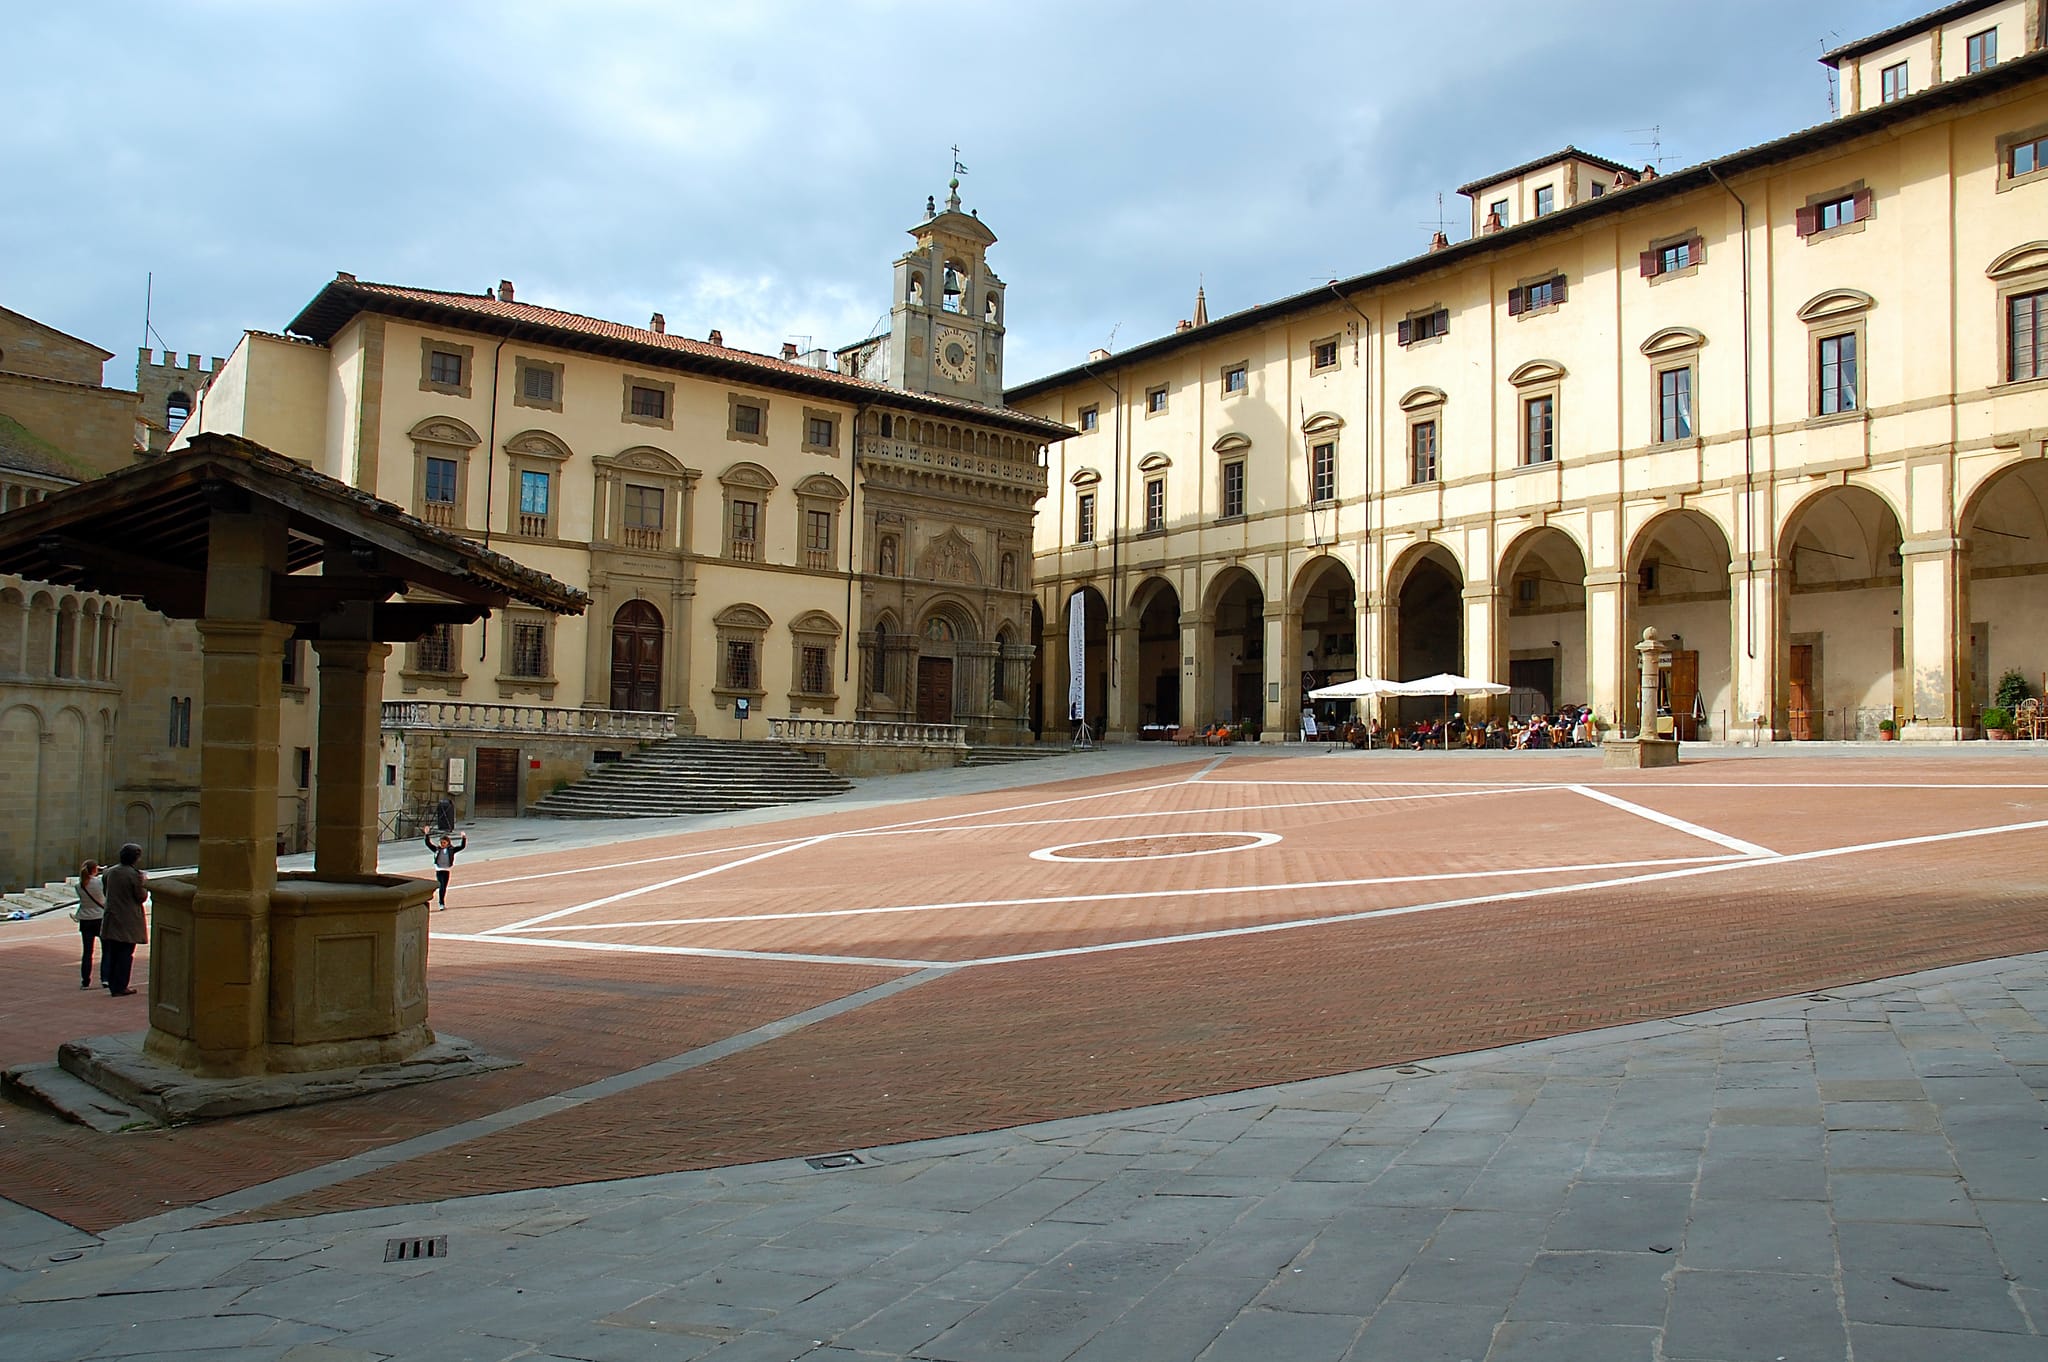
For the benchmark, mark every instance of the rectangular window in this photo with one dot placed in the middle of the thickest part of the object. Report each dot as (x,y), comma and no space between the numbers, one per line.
(1155,400)
(746,419)
(529,648)
(1155,503)
(1837,373)
(2024,158)
(746,530)
(1892,83)
(294,662)
(1422,452)
(1428,326)
(1084,518)
(817,539)
(1671,259)
(651,403)
(533,502)
(445,368)
(436,651)
(643,507)
(1090,418)
(1233,489)
(1498,210)
(440,484)
(1539,425)
(1674,404)
(1983,50)
(537,383)
(1546,200)
(2026,336)
(740,672)
(1540,295)
(815,673)
(821,432)
(1234,379)
(1836,212)
(1322,473)
(1323,354)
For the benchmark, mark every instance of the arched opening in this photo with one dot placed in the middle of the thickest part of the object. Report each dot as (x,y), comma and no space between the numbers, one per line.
(939,668)
(636,656)
(1844,641)
(1544,576)
(1092,658)
(1037,710)
(1158,663)
(1429,624)
(1326,609)
(2005,531)
(1237,663)
(1678,568)
(177,407)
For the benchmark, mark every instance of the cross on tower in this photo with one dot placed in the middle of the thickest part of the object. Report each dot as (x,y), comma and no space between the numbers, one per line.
(958,169)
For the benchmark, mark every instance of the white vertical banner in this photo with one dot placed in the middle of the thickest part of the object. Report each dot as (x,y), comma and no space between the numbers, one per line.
(1077,655)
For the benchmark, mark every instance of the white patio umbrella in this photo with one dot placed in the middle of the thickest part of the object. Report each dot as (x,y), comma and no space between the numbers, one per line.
(1448,684)
(1358,688)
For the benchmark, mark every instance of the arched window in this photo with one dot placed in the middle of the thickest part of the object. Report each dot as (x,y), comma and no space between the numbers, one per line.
(177,407)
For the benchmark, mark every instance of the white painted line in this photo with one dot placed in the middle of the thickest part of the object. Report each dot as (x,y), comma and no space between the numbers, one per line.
(1734,844)
(1126,896)
(1349,801)
(1257,839)
(628,948)
(621,896)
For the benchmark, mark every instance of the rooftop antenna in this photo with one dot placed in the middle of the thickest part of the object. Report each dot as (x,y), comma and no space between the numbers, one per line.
(1655,143)
(148,306)
(1833,77)
(1440,225)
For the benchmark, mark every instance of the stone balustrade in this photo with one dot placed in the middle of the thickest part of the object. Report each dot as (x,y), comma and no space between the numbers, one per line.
(866,733)
(484,717)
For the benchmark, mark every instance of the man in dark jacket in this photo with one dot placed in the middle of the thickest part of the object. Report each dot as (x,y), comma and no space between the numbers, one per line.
(126,924)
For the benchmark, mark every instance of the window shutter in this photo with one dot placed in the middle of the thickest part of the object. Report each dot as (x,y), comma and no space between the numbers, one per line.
(1696,249)
(1863,199)
(1806,221)
(1407,330)
(1650,260)
(1441,322)
(1557,288)
(1517,300)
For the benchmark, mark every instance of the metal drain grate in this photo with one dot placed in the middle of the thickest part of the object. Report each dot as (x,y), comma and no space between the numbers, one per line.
(404,1250)
(830,1161)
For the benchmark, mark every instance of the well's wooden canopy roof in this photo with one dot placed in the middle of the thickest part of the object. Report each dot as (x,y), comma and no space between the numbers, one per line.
(143,532)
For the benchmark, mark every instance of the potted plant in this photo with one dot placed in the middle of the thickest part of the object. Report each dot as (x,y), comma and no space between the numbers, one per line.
(2012,688)
(1997,724)
(1887,729)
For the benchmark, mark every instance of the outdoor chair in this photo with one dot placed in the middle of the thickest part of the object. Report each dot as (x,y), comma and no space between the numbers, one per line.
(2028,721)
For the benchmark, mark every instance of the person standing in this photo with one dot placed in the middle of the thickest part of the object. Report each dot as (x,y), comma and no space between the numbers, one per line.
(126,923)
(444,846)
(92,906)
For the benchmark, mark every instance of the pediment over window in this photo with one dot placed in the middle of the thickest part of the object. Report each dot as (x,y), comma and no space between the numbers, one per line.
(742,616)
(1836,302)
(537,444)
(1323,423)
(1085,477)
(445,430)
(1231,442)
(1673,340)
(645,459)
(823,486)
(1152,463)
(1537,371)
(2020,260)
(1415,399)
(815,622)
(748,475)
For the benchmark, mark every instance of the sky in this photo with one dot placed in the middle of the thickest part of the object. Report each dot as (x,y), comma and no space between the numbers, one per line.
(754,165)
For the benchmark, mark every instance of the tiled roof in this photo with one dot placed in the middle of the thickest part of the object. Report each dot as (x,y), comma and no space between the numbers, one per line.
(25,451)
(1570,153)
(346,296)
(1897,31)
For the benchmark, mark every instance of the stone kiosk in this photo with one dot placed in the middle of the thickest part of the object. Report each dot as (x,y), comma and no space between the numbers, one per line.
(270,990)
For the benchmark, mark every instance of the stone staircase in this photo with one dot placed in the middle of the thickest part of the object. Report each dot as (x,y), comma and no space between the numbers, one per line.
(39,899)
(1012,753)
(694,775)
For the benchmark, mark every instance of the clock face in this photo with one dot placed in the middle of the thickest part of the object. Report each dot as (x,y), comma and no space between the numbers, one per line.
(953,352)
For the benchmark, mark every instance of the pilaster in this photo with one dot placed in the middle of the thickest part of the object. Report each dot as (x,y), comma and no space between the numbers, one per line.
(351,707)
(1935,617)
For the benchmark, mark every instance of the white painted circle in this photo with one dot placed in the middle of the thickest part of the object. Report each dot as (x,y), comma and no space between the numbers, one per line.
(1253,840)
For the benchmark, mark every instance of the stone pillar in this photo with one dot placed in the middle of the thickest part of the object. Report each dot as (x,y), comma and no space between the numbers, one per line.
(1280,675)
(1197,641)
(351,711)
(1649,655)
(1935,616)
(1126,707)
(682,604)
(1759,646)
(1052,647)
(1486,645)
(1608,659)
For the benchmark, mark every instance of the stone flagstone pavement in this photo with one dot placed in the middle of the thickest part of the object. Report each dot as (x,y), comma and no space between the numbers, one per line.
(1859,1174)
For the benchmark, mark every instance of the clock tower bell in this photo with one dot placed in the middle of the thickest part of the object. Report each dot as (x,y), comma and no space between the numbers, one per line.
(946,317)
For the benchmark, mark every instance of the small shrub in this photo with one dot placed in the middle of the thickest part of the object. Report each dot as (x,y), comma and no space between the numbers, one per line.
(1887,726)
(1995,717)
(2013,688)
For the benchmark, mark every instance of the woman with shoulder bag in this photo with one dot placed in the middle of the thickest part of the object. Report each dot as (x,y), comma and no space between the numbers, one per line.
(92,906)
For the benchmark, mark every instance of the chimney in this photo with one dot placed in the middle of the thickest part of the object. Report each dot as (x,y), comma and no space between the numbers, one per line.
(1649,173)
(1097,356)
(1183,325)
(504,290)
(717,337)
(343,277)
(659,326)
(1491,225)
(1439,242)
(789,351)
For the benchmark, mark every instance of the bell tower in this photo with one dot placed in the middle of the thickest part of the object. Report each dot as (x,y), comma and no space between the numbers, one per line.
(946,315)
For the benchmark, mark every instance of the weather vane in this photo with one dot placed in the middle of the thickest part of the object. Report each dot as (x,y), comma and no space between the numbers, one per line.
(958,169)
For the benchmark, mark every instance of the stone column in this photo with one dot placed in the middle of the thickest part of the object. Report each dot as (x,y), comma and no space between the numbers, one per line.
(1608,659)
(1759,646)
(1125,705)
(351,711)
(1197,641)
(1281,663)
(1648,659)
(1052,647)
(1486,646)
(1935,616)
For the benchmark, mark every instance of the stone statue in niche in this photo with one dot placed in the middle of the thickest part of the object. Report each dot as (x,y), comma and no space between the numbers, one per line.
(988,311)
(885,560)
(917,290)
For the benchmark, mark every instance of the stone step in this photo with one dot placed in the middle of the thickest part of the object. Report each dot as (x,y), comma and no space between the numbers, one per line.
(51,1088)
(39,899)
(691,776)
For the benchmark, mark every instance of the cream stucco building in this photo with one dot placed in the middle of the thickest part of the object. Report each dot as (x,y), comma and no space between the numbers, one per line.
(1787,406)
(821,537)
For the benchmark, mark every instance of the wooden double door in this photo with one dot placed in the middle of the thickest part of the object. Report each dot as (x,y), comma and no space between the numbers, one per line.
(637,637)
(935,690)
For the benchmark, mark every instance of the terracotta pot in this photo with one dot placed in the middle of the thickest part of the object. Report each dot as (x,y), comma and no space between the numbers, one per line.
(1886,735)
(1998,734)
